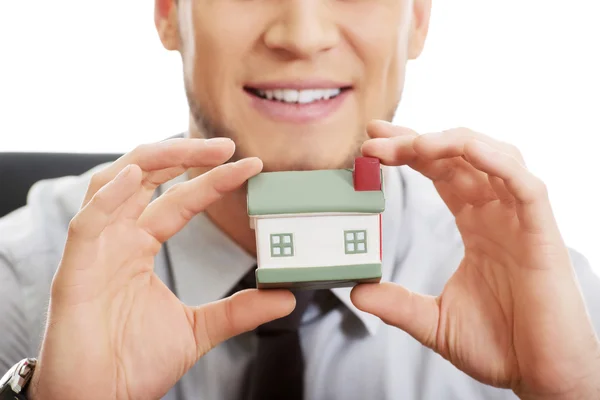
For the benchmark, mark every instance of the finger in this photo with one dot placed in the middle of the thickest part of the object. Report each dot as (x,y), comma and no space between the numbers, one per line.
(385,129)
(415,314)
(451,143)
(529,192)
(173,210)
(244,311)
(501,191)
(165,160)
(391,151)
(91,221)
(456,180)
(454,202)
(463,180)
(400,150)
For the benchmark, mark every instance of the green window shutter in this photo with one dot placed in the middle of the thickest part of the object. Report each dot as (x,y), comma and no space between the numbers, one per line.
(282,245)
(355,242)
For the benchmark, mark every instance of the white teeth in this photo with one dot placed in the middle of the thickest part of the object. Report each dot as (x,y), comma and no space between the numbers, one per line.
(290,96)
(306,96)
(299,96)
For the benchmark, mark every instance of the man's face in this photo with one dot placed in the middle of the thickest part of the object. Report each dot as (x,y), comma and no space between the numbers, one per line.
(293,82)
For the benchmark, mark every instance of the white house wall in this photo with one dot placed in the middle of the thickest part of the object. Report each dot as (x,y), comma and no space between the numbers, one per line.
(318,240)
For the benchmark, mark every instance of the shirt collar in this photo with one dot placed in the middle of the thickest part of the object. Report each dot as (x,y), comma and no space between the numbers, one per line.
(206,263)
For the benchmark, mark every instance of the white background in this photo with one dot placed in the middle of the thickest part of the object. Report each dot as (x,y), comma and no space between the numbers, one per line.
(92,76)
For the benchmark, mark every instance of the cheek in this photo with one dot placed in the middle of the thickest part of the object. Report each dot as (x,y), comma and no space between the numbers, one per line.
(377,35)
(383,74)
(223,41)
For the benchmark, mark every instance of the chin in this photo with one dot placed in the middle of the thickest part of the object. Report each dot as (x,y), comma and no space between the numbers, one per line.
(307,161)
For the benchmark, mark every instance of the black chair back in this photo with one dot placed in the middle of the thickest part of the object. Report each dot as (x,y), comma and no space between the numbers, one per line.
(19,171)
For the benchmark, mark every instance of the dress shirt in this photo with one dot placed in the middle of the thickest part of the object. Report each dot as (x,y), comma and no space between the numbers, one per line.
(349,354)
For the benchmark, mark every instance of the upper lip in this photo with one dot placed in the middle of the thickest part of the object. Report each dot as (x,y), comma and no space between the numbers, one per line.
(298,84)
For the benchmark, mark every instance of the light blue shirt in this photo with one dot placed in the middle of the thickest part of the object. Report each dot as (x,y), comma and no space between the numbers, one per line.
(349,354)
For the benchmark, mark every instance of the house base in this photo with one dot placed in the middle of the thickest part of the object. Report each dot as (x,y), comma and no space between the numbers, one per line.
(317,277)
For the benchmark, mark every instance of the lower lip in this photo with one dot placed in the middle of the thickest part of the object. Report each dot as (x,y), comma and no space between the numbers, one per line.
(298,113)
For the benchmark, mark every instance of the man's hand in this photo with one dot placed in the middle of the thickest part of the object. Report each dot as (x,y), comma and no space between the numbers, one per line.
(512,315)
(115,331)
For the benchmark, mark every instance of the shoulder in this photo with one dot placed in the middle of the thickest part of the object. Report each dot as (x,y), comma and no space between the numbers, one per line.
(31,244)
(40,225)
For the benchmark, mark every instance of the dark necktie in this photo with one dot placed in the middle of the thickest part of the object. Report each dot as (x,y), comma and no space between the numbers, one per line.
(277,372)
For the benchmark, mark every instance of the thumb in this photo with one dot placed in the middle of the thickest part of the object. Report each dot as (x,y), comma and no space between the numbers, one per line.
(416,314)
(216,322)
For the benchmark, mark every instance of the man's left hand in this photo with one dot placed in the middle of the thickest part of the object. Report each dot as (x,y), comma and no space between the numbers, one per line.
(512,315)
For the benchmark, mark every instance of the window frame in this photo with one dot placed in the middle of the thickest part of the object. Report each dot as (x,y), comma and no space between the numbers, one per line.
(281,245)
(355,241)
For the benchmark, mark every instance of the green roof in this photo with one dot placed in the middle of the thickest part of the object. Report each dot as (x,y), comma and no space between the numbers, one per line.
(301,192)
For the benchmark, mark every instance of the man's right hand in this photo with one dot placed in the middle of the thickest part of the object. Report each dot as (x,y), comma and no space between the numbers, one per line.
(114,330)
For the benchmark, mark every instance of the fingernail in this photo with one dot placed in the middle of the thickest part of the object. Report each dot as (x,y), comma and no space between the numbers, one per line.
(380,124)
(245,161)
(124,172)
(217,141)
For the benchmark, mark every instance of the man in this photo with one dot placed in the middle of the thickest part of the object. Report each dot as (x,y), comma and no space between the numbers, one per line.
(480,297)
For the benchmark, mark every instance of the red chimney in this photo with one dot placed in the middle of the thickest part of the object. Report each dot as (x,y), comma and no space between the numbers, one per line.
(366,174)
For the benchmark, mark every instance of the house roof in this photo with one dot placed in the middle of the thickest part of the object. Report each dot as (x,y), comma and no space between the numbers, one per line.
(302,192)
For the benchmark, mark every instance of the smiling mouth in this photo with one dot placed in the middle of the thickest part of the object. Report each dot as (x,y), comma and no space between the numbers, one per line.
(293,96)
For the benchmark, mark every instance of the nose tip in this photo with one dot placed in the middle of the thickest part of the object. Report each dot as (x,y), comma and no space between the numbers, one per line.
(305,28)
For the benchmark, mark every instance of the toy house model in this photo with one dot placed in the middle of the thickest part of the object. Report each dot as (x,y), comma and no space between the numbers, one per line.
(318,229)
